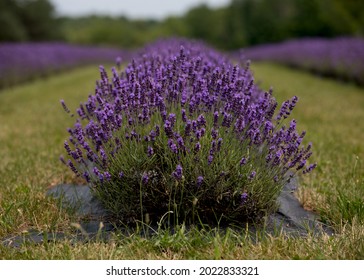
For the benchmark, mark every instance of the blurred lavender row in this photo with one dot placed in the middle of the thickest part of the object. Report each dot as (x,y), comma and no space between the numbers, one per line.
(23,61)
(342,57)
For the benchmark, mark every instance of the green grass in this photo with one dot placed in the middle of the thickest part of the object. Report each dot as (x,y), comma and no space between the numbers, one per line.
(332,114)
(33,128)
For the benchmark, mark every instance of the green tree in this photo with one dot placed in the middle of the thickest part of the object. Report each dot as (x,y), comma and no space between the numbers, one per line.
(23,20)
(354,10)
(12,28)
(252,22)
(207,24)
(38,16)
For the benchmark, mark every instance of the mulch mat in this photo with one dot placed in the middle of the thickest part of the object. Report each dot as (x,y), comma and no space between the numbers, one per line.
(291,218)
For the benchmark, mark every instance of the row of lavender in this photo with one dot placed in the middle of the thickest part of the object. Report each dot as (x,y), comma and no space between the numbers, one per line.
(184,134)
(20,62)
(342,58)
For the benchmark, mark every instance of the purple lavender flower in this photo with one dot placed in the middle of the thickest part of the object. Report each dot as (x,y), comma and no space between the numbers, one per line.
(271,111)
(310,168)
(104,156)
(65,108)
(152,135)
(86,175)
(213,147)
(283,111)
(292,127)
(293,103)
(307,156)
(214,133)
(157,130)
(201,120)
(219,143)
(202,131)
(118,62)
(145,178)
(216,118)
(194,126)
(67,147)
(199,181)
(72,167)
(172,119)
(199,133)
(197,147)
(177,174)
(184,116)
(227,120)
(61,158)
(301,164)
(172,146)
(188,128)
(277,158)
(243,198)
(268,127)
(98,173)
(107,176)
(252,175)
(168,128)
(130,121)
(210,158)
(180,143)
(268,158)
(150,151)
(243,161)
(81,112)
(75,155)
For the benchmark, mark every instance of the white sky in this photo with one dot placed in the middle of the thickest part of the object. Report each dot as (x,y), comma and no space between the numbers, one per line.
(134,9)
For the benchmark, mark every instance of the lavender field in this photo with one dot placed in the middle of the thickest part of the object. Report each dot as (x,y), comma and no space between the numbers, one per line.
(177,132)
(24,61)
(341,58)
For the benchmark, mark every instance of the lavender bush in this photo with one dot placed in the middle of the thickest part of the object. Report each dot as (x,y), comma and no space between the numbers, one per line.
(23,61)
(341,57)
(182,131)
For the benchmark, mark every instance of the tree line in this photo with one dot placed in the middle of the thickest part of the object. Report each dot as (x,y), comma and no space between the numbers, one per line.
(28,20)
(241,23)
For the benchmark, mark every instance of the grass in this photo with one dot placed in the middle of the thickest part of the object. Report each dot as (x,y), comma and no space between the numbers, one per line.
(331,112)
(33,128)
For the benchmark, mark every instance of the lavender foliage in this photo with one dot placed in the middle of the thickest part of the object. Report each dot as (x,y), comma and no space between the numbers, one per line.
(182,124)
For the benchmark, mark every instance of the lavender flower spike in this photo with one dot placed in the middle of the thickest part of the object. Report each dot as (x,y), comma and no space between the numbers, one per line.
(243,161)
(310,168)
(177,174)
(199,181)
(243,197)
(252,175)
(150,151)
(65,108)
(145,178)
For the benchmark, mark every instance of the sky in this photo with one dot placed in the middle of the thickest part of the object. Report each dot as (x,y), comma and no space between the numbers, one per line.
(134,9)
